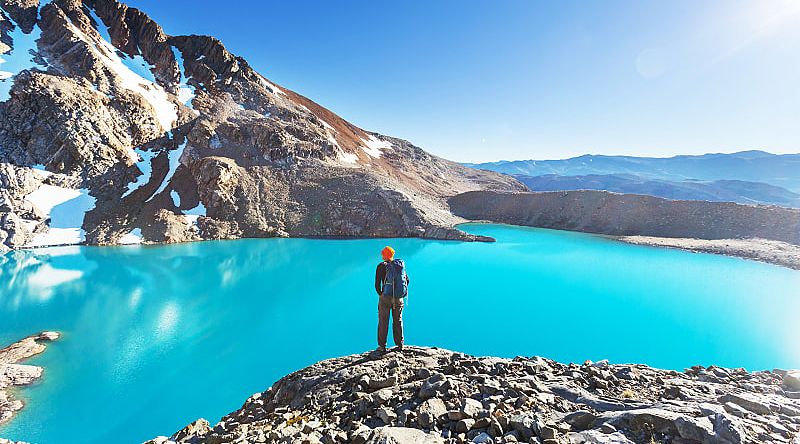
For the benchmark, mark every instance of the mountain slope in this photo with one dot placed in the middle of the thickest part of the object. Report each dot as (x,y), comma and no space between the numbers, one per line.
(753,166)
(718,190)
(114,132)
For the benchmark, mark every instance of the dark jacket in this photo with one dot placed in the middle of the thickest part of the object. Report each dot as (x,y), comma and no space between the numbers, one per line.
(380,275)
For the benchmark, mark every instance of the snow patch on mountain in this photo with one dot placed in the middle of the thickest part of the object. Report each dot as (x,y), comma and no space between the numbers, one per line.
(134,237)
(186,92)
(145,167)
(270,86)
(66,209)
(174,163)
(192,215)
(348,157)
(166,111)
(374,146)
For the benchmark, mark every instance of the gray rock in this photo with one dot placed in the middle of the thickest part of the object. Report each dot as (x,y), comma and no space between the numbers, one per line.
(596,437)
(401,435)
(433,386)
(472,408)
(386,415)
(381,383)
(580,420)
(430,411)
(695,429)
(735,409)
(522,424)
(748,402)
(792,379)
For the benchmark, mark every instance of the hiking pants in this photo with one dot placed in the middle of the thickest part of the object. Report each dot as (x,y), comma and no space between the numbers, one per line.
(394,305)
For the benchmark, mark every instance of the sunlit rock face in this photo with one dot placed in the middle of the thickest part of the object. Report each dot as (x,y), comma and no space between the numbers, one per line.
(172,138)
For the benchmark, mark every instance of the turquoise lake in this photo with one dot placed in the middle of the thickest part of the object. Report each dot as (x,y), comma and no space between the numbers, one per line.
(155,337)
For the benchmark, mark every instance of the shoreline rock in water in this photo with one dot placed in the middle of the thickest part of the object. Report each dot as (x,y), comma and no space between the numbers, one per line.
(429,395)
(13,374)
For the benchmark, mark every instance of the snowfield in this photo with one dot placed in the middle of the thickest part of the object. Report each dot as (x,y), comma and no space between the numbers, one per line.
(132,238)
(66,209)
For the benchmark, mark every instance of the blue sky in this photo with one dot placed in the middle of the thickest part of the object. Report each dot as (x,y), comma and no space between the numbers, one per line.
(485,80)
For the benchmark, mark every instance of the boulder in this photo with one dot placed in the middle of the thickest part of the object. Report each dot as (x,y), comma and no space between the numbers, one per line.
(749,402)
(792,379)
(471,408)
(580,420)
(430,411)
(401,435)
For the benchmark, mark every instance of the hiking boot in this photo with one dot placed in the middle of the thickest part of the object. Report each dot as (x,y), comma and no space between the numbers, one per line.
(380,350)
(399,348)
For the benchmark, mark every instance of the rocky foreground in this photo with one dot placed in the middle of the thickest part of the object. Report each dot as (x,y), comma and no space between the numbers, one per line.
(13,374)
(429,395)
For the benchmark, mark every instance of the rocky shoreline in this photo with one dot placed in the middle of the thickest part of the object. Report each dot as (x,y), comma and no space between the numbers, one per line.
(14,374)
(761,232)
(762,250)
(430,395)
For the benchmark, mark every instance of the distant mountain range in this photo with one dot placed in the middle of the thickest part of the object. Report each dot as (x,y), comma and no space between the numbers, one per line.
(738,191)
(754,166)
(753,177)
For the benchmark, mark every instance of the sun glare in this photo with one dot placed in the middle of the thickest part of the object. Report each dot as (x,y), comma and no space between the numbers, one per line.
(771,13)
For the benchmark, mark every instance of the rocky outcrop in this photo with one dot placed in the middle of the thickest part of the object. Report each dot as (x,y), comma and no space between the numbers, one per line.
(13,374)
(175,139)
(438,396)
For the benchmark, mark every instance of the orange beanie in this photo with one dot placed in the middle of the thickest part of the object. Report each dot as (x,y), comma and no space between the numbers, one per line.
(387,253)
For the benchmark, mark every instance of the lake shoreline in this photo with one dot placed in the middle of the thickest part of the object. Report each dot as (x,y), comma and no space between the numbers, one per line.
(433,395)
(762,250)
(764,233)
(771,252)
(13,374)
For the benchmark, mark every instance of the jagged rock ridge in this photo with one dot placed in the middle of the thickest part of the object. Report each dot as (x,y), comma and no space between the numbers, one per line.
(130,134)
(437,396)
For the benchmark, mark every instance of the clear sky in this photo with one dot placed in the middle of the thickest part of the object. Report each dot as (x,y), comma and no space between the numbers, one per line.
(480,80)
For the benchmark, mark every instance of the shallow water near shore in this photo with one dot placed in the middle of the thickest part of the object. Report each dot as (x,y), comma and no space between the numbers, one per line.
(155,337)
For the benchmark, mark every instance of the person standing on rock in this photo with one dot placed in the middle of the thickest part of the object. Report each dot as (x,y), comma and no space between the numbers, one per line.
(391,284)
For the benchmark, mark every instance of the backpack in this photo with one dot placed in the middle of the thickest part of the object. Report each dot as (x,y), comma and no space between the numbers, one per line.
(395,283)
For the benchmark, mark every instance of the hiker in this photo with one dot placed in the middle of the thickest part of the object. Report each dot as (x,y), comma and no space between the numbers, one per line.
(391,283)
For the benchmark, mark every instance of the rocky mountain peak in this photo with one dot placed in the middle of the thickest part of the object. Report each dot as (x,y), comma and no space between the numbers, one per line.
(174,138)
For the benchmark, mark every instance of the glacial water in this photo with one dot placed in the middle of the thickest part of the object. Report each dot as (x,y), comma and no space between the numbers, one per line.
(155,337)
